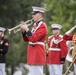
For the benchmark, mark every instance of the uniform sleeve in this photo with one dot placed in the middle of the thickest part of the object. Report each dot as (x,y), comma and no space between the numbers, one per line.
(25,38)
(66,37)
(64,48)
(39,34)
(5,47)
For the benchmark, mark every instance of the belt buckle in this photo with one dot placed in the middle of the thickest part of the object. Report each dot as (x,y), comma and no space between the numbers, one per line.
(32,45)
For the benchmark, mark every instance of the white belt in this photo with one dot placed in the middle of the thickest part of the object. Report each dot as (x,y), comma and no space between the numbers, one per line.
(54,49)
(40,43)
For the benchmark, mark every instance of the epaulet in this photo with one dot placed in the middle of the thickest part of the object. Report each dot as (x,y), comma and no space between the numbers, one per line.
(50,36)
(61,36)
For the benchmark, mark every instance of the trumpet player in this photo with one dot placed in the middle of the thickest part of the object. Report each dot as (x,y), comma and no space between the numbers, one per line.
(57,51)
(3,50)
(36,55)
(69,36)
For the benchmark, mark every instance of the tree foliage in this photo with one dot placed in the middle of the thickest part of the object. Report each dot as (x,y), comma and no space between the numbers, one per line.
(11,13)
(62,12)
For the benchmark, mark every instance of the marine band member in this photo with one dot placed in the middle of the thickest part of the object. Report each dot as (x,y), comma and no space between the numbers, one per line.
(3,51)
(57,51)
(68,36)
(36,55)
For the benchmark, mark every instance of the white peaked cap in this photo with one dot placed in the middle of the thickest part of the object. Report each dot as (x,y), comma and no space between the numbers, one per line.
(56,26)
(38,9)
(2,29)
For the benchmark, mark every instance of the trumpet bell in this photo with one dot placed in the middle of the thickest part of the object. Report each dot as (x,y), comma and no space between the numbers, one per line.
(17,28)
(69,55)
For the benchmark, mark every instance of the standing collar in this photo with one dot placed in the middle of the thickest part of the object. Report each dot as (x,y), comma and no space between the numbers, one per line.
(39,22)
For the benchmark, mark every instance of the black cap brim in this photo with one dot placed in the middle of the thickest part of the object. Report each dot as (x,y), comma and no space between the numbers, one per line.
(35,12)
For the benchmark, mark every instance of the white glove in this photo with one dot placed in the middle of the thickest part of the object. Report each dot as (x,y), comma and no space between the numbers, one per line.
(71,30)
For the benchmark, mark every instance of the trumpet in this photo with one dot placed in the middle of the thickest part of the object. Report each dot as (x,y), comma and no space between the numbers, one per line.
(17,28)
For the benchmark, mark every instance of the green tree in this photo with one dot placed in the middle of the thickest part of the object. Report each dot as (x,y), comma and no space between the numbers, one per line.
(11,13)
(62,12)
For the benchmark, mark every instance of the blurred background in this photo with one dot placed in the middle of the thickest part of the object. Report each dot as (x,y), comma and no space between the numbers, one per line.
(12,12)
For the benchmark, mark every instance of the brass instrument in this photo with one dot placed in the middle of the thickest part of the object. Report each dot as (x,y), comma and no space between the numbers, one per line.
(73,59)
(17,28)
(69,55)
(73,54)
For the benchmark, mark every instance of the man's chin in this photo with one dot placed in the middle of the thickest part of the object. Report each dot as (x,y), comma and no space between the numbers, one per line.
(56,34)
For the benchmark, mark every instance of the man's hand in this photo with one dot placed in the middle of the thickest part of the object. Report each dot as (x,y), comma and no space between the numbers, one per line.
(24,26)
(62,59)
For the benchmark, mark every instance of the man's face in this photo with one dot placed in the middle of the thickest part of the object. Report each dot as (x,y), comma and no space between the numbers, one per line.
(56,32)
(37,17)
(1,34)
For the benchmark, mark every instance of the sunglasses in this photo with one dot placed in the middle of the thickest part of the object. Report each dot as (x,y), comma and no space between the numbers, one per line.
(34,12)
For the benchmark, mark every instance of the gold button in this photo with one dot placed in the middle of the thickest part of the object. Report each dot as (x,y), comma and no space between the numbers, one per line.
(56,45)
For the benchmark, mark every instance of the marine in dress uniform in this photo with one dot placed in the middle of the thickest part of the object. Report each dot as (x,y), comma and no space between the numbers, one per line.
(57,51)
(36,55)
(68,36)
(3,50)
